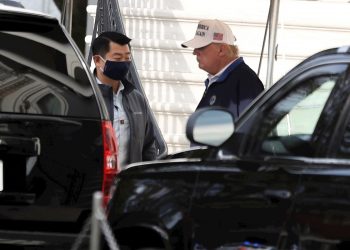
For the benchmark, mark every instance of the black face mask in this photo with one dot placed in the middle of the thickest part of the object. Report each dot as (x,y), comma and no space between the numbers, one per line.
(116,70)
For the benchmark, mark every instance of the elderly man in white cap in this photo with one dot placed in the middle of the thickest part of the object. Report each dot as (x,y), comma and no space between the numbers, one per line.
(231,83)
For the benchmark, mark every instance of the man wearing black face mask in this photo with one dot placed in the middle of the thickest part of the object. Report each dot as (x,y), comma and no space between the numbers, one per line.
(126,105)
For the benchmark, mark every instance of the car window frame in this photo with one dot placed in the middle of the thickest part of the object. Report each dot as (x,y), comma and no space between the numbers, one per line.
(251,143)
(342,123)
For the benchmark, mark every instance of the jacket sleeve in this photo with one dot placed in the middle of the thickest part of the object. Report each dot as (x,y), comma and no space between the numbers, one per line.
(149,147)
(248,90)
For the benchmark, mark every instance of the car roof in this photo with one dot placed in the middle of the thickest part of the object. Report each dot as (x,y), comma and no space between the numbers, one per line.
(328,55)
(332,51)
(11,10)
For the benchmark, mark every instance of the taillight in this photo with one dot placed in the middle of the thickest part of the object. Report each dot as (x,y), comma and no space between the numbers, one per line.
(110,160)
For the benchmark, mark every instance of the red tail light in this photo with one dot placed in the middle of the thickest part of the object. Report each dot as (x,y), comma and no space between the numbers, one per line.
(110,160)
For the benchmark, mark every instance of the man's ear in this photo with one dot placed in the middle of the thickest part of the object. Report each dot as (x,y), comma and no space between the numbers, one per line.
(225,49)
(96,59)
(222,49)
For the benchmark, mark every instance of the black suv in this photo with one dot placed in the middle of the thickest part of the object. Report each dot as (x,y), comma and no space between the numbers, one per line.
(277,178)
(56,141)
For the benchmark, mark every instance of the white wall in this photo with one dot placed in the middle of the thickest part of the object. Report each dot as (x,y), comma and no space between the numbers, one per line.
(170,76)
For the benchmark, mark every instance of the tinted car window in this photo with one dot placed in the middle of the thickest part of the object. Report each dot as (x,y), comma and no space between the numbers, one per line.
(41,74)
(289,126)
(310,106)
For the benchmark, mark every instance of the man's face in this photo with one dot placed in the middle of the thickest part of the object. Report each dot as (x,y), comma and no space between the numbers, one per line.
(117,52)
(207,58)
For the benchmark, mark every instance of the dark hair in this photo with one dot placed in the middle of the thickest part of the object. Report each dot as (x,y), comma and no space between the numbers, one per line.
(100,46)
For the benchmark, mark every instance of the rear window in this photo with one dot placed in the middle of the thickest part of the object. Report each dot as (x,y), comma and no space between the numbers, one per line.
(40,73)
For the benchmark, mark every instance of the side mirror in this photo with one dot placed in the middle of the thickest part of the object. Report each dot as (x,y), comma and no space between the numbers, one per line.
(210,126)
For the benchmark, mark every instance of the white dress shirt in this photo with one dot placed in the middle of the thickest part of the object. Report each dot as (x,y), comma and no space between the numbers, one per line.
(121,126)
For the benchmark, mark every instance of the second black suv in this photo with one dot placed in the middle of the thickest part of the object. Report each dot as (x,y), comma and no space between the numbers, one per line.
(276,178)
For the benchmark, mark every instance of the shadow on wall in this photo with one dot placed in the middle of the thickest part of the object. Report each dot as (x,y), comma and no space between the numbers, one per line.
(165,68)
(169,73)
(157,34)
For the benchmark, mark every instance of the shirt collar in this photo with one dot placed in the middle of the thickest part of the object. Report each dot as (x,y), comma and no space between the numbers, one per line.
(222,70)
(121,85)
(223,73)
(98,80)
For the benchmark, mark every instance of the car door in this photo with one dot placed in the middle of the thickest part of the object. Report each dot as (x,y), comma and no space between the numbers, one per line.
(306,123)
(301,118)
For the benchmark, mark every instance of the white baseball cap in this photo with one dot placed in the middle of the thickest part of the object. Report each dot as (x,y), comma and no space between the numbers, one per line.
(210,31)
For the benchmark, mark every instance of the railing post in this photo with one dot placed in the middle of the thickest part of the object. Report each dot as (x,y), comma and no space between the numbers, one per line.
(67,15)
(273,25)
(95,228)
